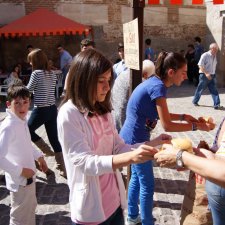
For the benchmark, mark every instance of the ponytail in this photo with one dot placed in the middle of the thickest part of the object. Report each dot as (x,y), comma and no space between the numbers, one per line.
(168,60)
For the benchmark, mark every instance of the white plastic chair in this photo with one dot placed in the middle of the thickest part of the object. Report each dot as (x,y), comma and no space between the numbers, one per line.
(3,90)
(59,83)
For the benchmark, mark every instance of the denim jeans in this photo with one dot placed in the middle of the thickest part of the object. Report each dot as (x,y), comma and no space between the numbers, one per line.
(141,186)
(211,84)
(47,116)
(115,219)
(216,198)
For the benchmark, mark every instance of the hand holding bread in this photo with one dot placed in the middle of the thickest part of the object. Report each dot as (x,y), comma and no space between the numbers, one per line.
(208,121)
(167,157)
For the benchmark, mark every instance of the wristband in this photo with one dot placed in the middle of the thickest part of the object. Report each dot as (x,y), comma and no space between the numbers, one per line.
(182,117)
(194,127)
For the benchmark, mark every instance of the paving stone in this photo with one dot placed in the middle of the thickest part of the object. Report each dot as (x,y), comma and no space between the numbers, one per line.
(53,192)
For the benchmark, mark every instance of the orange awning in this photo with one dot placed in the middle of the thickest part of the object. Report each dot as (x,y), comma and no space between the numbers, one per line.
(43,22)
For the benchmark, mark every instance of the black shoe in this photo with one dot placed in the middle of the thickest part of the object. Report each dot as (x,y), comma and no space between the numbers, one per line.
(196,104)
(218,107)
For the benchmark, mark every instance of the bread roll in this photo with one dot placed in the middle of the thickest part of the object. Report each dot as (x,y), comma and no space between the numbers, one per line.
(206,119)
(182,143)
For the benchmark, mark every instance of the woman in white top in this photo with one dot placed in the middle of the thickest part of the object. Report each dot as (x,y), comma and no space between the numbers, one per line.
(92,148)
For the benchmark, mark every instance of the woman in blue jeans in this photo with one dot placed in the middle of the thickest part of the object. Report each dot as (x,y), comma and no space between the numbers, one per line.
(146,105)
(42,83)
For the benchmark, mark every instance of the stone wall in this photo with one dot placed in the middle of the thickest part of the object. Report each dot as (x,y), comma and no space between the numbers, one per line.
(216,33)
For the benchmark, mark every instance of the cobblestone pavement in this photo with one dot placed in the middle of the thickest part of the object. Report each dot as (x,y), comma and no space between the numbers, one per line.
(52,192)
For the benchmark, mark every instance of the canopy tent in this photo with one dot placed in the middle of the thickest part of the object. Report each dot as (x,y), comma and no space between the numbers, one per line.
(43,22)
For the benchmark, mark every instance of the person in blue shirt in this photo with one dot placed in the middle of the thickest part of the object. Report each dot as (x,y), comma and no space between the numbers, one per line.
(146,105)
(199,50)
(65,61)
(149,52)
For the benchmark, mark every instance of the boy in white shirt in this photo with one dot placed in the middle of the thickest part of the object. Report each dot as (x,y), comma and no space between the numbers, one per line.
(17,157)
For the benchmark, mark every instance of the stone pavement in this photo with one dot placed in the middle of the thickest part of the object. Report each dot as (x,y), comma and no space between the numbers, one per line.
(52,192)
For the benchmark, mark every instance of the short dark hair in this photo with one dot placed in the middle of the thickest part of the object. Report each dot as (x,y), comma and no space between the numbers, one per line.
(87,42)
(15,91)
(148,41)
(191,46)
(85,69)
(198,39)
(29,46)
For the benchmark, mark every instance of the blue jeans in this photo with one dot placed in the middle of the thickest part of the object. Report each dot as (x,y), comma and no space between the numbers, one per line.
(216,198)
(211,84)
(47,116)
(115,219)
(141,186)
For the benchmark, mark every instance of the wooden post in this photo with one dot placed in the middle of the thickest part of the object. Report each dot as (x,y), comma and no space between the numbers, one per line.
(138,12)
(136,75)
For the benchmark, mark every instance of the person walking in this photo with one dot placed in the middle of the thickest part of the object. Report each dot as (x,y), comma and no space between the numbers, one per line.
(17,157)
(92,148)
(207,76)
(42,83)
(146,105)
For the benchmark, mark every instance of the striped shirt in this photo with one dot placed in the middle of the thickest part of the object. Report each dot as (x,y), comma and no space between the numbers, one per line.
(42,84)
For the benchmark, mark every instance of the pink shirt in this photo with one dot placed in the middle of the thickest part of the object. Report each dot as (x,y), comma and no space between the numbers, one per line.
(103,145)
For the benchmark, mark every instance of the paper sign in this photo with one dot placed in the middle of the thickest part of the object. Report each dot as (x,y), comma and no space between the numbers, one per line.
(131,44)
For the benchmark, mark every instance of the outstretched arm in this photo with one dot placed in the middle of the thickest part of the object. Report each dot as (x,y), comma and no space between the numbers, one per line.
(166,119)
(140,155)
(205,165)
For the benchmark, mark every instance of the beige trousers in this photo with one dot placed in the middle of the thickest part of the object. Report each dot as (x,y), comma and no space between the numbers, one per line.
(23,205)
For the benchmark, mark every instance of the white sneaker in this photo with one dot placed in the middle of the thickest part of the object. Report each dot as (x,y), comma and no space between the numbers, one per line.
(135,221)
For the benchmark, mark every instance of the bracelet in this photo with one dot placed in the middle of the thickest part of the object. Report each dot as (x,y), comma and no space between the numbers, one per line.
(182,117)
(194,127)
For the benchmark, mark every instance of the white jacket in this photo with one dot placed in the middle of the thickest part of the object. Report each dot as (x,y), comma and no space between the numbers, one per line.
(16,150)
(83,166)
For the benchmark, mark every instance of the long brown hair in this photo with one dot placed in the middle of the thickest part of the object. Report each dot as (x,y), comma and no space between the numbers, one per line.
(82,81)
(38,59)
(168,60)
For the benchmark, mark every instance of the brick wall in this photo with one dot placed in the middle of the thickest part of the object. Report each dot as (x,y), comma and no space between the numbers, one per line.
(106,17)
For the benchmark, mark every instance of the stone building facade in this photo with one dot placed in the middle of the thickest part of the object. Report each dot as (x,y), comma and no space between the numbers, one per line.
(216,33)
(170,27)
